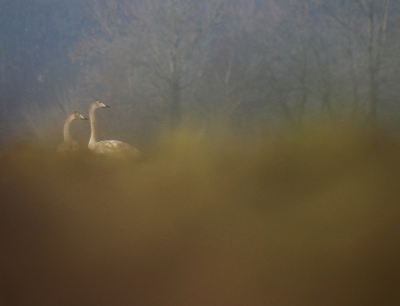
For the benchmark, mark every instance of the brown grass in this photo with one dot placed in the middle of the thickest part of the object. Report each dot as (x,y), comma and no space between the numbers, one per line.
(310,219)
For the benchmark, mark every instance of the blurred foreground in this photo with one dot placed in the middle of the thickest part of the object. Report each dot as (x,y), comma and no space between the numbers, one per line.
(311,219)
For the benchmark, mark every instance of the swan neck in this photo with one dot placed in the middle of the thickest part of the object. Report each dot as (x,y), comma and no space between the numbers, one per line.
(93,134)
(67,136)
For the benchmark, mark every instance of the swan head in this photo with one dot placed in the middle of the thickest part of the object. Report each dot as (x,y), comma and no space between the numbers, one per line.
(97,104)
(77,115)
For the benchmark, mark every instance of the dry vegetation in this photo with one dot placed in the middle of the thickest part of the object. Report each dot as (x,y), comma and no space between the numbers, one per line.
(310,219)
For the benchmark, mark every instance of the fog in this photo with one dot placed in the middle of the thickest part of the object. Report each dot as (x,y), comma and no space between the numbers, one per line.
(269,140)
(243,65)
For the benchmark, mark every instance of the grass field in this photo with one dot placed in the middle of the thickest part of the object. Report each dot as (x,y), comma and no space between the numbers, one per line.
(309,218)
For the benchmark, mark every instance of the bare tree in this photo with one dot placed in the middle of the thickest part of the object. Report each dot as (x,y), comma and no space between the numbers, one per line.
(231,74)
(162,45)
(283,37)
(364,23)
(376,17)
(289,58)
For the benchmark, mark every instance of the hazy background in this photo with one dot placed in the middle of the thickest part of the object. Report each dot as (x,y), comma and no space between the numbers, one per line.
(245,65)
(227,209)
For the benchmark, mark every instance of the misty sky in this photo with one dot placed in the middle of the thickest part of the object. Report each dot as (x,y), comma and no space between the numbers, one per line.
(238,59)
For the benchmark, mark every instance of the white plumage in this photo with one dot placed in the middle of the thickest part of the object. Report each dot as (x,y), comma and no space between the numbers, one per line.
(109,147)
(68,144)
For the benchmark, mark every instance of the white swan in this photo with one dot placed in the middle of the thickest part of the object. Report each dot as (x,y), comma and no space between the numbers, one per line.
(109,147)
(68,144)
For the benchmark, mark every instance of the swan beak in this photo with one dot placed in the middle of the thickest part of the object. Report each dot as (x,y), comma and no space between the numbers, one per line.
(103,105)
(83,118)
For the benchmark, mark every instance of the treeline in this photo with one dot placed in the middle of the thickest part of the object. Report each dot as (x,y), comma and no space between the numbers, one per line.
(244,64)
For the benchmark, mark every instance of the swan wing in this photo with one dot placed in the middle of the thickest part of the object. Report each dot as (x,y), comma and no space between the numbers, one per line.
(113,147)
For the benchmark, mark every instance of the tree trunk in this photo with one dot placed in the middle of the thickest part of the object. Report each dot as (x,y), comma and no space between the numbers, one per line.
(175,112)
(373,99)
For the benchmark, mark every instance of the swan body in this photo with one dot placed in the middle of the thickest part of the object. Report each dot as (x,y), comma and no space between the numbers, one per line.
(68,144)
(112,146)
(107,147)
